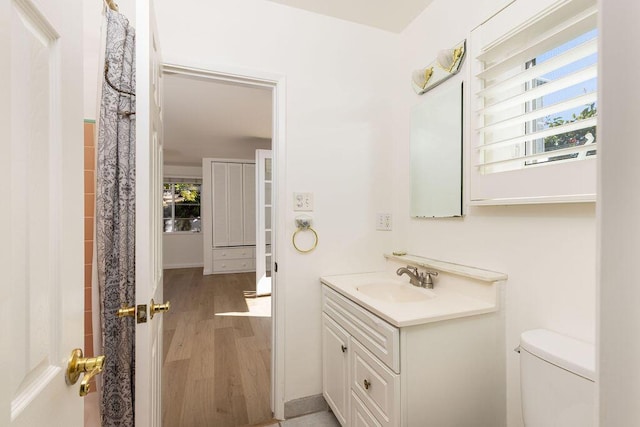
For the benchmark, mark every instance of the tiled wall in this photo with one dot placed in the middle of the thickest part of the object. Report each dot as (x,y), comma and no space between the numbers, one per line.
(89,210)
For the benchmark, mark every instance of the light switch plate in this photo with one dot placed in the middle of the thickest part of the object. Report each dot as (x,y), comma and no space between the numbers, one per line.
(383,222)
(302,202)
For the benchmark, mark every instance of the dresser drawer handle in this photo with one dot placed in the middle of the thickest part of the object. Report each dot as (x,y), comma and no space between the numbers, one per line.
(344,348)
(367,384)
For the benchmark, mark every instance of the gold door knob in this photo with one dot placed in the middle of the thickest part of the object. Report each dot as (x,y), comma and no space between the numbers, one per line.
(159,308)
(89,366)
(127,311)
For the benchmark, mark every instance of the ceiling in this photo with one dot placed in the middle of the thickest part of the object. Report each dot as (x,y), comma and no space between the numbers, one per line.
(206,118)
(390,15)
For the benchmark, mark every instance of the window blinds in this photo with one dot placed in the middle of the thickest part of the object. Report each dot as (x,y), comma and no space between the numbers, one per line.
(537,93)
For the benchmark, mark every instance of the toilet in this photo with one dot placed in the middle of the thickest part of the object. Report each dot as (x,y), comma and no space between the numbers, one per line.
(557,380)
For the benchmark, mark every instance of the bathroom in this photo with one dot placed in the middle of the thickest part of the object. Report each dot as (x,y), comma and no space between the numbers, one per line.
(348,103)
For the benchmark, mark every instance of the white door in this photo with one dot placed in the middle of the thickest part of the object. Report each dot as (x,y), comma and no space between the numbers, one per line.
(235,204)
(263,221)
(220,209)
(41,210)
(148,216)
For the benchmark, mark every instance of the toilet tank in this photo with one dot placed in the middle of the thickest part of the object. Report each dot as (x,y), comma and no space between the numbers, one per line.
(557,375)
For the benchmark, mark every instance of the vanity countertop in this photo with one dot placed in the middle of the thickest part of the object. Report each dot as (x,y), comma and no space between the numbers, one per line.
(411,305)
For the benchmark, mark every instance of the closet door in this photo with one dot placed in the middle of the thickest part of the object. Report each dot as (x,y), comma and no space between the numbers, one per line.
(235,204)
(219,201)
(249,194)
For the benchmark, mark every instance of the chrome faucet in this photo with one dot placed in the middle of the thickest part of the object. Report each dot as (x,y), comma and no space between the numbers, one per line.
(423,280)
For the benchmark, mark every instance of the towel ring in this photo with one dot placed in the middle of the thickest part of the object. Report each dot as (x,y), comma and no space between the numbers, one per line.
(315,242)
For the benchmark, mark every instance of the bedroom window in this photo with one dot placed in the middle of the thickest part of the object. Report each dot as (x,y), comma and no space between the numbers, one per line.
(181,206)
(534,90)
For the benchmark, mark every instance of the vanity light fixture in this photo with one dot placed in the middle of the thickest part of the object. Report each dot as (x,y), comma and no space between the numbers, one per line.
(447,58)
(421,77)
(447,64)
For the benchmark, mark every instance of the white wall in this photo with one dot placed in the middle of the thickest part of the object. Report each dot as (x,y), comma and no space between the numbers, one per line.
(174,171)
(548,251)
(338,139)
(182,250)
(183,154)
(619,201)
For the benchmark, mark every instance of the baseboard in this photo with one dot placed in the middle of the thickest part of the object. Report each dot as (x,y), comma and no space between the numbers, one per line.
(176,266)
(305,405)
(209,272)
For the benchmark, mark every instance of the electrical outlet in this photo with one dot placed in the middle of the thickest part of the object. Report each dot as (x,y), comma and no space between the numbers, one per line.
(383,222)
(303,202)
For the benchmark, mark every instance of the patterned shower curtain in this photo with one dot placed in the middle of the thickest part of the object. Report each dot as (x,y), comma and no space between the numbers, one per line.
(115,222)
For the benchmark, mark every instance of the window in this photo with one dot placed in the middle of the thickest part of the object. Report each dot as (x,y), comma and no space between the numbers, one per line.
(181,206)
(580,93)
(535,100)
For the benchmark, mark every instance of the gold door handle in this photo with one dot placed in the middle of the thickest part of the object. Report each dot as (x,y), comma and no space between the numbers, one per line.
(89,366)
(158,308)
(127,311)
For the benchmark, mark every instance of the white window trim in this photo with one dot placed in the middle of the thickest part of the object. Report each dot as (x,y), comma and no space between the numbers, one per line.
(564,182)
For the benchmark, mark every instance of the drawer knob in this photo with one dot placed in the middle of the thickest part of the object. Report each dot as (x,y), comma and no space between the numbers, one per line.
(367,384)
(344,348)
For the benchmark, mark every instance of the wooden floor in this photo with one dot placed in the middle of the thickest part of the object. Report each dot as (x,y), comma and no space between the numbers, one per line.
(217,351)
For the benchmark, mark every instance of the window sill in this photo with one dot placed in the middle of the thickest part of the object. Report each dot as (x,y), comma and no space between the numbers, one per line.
(577,198)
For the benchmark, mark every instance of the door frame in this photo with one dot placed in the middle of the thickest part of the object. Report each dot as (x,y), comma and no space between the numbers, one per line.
(259,79)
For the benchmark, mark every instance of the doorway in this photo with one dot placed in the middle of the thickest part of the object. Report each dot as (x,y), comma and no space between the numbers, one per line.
(223,340)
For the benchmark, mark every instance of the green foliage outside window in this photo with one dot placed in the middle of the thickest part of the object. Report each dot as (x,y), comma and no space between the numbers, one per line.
(181,207)
(573,138)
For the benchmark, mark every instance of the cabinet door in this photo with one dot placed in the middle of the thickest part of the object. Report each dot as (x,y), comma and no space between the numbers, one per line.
(249,208)
(335,368)
(235,204)
(219,208)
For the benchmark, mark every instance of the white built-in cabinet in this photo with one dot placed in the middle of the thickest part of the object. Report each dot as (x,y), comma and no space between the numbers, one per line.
(228,215)
(445,374)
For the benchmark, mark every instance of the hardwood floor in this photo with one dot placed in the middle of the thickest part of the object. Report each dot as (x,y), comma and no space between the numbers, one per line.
(217,351)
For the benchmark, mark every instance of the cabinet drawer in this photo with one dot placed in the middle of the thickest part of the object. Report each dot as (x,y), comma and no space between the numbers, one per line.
(379,337)
(234,253)
(230,265)
(376,385)
(360,415)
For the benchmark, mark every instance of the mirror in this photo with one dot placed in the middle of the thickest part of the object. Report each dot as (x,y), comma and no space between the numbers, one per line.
(436,154)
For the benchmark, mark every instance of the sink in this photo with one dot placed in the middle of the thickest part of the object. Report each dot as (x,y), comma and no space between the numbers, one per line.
(395,292)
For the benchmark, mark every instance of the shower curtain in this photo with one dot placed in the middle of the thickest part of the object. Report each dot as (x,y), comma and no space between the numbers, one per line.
(115,222)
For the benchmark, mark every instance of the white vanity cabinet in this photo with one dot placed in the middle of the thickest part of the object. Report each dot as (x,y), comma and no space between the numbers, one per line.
(358,385)
(443,373)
